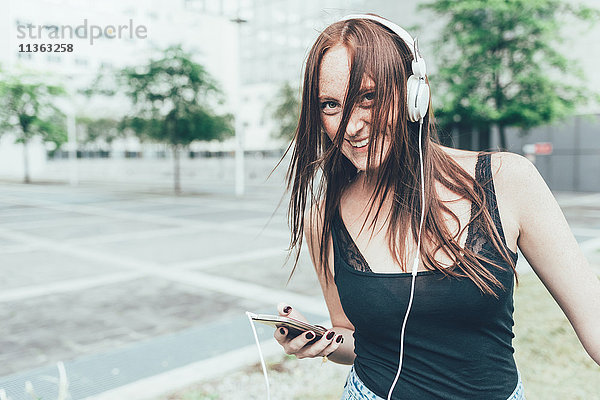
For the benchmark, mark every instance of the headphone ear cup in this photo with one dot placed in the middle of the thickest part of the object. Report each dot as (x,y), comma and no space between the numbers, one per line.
(417,97)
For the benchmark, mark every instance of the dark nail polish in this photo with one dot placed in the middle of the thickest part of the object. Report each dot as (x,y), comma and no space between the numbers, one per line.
(339,339)
(330,335)
(287,309)
(282,331)
(310,335)
(342,340)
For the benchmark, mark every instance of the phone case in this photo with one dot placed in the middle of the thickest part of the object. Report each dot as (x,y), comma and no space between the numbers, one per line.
(294,326)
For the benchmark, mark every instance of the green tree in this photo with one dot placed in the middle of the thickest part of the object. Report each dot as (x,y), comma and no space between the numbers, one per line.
(284,110)
(27,108)
(107,129)
(172,101)
(499,66)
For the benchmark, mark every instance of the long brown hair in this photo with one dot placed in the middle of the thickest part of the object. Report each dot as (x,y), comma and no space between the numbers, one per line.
(377,52)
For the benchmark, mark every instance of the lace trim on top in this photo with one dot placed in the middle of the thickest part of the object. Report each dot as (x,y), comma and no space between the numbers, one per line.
(350,252)
(476,236)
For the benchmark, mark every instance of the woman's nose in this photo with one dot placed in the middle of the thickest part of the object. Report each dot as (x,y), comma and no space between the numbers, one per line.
(355,124)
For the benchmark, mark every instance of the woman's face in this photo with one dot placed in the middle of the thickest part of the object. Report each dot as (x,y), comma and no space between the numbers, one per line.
(333,82)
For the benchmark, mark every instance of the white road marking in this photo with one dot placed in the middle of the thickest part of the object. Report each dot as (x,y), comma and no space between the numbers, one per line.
(223,204)
(137,235)
(72,285)
(258,254)
(16,248)
(223,285)
(236,288)
(578,200)
(53,222)
(27,211)
(156,219)
(583,231)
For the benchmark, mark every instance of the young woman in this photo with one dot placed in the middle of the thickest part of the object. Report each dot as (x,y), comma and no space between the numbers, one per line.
(389,194)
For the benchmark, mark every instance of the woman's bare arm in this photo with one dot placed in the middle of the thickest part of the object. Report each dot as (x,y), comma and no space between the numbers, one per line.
(549,246)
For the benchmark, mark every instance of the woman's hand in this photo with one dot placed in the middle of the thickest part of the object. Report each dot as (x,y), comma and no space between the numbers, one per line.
(299,345)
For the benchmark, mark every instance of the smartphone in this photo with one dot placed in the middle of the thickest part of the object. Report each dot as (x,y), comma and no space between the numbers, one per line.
(294,326)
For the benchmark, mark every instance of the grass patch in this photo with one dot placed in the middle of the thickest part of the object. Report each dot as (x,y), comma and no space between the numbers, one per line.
(553,364)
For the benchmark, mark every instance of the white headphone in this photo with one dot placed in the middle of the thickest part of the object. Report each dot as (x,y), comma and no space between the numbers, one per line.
(417,89)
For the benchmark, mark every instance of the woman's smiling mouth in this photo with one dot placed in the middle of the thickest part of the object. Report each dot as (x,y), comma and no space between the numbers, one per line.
(359,143)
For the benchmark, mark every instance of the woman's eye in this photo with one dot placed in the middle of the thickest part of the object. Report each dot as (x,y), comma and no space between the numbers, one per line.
(328,105)
(369,97)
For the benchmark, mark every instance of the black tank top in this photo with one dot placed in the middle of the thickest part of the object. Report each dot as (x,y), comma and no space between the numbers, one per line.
(458,340)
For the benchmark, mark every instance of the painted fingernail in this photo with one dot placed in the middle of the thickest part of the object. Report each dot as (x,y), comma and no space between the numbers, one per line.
(287,309)
(330,335)
(310,335)
(342,340)
(339,339)
(282,331)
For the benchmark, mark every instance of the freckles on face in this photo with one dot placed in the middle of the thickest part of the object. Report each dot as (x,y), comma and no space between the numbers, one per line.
(334,74)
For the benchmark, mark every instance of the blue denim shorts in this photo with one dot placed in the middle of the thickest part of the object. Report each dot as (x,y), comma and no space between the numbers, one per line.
(355,389)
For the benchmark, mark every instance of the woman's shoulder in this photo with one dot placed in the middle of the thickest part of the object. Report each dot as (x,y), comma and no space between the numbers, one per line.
(514,177)
(515,180)
(512,174)
(459,154)
(510,170)
(506,166)
(465,158)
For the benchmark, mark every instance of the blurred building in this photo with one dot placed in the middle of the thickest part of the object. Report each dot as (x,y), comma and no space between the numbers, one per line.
(251,46)
(274,39)
(159,24)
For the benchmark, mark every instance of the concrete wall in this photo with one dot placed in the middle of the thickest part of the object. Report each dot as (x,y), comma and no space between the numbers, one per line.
(574,164)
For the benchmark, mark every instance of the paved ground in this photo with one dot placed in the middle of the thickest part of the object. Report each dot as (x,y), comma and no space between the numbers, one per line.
(123,285)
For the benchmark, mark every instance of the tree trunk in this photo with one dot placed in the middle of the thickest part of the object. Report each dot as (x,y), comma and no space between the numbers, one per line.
(483,134)
(26,162)
(499,103)
(465,133)
(176,170)
(502,135)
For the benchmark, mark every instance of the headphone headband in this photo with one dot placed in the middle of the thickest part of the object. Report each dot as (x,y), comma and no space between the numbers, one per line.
(410,42)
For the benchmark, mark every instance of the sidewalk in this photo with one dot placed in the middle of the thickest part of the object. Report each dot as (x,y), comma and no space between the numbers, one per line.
(122,286)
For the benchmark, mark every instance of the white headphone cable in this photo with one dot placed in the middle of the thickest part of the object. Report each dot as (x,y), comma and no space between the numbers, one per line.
(412,287)
(415,265)
(262,359)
